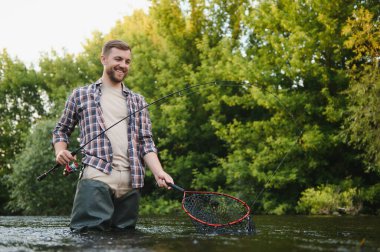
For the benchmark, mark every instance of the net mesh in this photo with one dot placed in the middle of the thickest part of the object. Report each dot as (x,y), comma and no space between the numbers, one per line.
(217,213)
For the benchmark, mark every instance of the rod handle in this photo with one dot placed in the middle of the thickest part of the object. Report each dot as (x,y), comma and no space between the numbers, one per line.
(43,175)
(175,187)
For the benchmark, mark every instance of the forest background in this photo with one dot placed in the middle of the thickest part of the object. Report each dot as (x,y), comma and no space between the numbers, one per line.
(303,137)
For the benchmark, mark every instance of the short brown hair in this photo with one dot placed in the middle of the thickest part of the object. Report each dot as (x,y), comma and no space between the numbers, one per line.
(115,44)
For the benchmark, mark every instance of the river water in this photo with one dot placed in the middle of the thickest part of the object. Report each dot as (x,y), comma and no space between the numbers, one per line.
(176,233)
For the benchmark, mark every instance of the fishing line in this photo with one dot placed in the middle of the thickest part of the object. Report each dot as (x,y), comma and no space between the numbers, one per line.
(300,133)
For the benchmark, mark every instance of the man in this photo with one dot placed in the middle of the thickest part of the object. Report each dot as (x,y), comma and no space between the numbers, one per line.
(108,193)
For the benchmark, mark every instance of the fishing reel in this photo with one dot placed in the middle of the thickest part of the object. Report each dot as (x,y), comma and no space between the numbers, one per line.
(70,168)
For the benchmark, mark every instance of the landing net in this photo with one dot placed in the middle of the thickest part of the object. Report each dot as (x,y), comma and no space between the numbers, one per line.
(218,213)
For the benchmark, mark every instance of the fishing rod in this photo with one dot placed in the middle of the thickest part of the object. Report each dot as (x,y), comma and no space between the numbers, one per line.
(184,90)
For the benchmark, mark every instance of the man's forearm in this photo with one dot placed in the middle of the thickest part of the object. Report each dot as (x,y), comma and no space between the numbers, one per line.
(162,178)
(152,161)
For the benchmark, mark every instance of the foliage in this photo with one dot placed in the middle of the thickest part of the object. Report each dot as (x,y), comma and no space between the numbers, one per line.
(51,196)
(21,103)
(329,199)
(293,55)
(363,121)
(371,196)
(61,74)
(150,205)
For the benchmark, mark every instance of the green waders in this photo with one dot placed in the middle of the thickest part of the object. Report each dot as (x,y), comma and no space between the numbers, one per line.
(95,208)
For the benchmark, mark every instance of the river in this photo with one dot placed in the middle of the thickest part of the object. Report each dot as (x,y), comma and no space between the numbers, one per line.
(176,233)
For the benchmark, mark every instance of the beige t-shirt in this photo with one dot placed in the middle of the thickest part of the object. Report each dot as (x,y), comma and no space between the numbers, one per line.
(114,108)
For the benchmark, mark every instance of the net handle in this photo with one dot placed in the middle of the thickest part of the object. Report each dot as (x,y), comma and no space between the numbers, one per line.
(175,187)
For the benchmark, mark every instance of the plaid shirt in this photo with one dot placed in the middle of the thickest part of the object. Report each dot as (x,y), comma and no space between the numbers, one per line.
(83,108)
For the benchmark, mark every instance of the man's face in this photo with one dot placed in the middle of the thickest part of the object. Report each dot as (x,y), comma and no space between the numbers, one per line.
(116,64)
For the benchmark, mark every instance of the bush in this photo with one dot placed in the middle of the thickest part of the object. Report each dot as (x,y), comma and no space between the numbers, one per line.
(51,196)
(329,199)
(158,206)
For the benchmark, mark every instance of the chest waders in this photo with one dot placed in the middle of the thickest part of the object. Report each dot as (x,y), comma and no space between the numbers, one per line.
(95,208)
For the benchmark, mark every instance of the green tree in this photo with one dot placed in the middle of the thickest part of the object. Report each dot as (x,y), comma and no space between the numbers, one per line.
(363,122)
(293,50)
(21,103)
(61,74)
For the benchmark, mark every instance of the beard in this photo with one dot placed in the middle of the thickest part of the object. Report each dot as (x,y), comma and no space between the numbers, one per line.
(115,76)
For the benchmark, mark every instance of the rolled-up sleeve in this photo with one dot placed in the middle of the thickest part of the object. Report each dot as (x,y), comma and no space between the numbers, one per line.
(67,122)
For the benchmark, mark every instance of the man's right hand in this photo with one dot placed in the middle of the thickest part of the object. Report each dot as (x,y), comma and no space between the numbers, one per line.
(64,157)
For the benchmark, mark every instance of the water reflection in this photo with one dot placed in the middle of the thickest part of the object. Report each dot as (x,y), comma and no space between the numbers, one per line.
(175,233)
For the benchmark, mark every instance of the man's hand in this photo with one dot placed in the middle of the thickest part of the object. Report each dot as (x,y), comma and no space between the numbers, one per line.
(64,157)
(162,178)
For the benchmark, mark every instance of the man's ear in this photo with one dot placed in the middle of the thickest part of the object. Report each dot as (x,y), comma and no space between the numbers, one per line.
(103,59)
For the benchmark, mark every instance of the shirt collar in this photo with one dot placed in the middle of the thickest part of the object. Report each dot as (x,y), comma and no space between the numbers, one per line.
(125,90)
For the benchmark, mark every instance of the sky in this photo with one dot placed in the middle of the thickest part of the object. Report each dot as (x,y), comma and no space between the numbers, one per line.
(30,27)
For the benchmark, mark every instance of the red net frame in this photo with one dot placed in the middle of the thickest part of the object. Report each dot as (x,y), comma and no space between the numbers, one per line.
(213,212)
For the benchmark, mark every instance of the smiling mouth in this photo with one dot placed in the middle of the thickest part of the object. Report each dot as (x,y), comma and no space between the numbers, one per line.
(120,70)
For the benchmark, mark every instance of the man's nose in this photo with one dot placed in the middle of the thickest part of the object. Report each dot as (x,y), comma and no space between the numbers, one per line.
(124,64)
